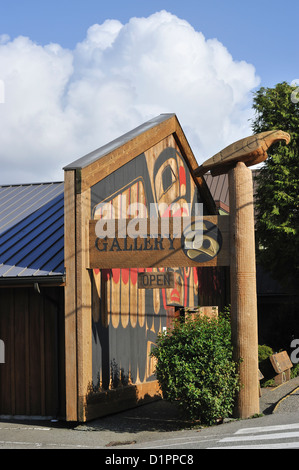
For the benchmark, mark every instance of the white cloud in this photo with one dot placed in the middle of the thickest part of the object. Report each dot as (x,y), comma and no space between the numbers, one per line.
(61,104)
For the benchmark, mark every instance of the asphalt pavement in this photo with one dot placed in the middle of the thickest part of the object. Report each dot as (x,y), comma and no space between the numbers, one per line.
(281,399)
(156,422)
(151,421)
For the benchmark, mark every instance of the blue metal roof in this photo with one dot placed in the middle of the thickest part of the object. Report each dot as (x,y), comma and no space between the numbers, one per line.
(31,231)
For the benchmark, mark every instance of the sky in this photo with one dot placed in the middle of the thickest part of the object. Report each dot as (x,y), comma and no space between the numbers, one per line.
(75,74)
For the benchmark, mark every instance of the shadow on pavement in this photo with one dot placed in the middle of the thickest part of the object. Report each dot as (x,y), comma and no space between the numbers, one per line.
(157,416)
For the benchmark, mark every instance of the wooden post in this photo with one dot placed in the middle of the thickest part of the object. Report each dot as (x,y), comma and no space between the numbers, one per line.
(70,308)
(243,288)
(234,160)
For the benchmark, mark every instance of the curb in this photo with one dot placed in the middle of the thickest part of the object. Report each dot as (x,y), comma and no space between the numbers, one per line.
(283,398)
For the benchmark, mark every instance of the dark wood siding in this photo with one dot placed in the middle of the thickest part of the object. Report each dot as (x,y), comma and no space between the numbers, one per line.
(31,326)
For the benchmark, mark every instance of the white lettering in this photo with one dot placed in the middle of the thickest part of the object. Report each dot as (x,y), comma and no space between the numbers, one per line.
(115,460)
(295,354)
(2,352)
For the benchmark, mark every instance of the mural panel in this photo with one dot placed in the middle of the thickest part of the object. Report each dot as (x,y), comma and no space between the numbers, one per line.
(126,320)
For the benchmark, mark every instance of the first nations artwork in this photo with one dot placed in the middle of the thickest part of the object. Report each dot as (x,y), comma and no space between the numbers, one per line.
(130,312)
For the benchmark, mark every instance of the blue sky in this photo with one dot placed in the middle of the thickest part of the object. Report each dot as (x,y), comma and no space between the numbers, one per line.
(202,60)
(264,33)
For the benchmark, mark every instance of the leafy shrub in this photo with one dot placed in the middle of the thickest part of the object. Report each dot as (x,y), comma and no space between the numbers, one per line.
(295,371)
(264,352)
(195,368)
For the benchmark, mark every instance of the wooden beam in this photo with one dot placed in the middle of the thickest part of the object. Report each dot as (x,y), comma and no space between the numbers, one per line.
(84,301)
(70,296)
(243,289)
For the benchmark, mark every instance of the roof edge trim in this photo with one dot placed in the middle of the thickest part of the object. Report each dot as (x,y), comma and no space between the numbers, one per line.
(31,280)
(114,144)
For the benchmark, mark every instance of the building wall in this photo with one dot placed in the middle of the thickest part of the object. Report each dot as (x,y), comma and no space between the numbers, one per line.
(32,329)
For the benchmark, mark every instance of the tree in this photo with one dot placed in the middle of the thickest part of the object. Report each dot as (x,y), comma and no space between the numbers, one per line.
(277,198)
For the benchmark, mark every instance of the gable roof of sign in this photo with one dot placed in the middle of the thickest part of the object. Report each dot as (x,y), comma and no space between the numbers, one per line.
(124,139)
(98,164)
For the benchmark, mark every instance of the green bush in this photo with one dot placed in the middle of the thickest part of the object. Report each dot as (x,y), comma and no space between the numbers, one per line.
(265,366)
(295,371)
(195,368)
(264,352)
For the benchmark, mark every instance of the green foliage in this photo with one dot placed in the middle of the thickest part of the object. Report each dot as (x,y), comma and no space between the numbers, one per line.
(195,368)
(295,371)
(277,198)
(264,352)
(225,313)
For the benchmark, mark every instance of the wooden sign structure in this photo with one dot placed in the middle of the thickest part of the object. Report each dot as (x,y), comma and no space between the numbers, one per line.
(154,164)
(207,247)
(151,164)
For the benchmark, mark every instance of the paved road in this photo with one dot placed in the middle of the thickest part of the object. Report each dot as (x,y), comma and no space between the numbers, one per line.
(270,432)
(158,427)
(279,436)
(276,431)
